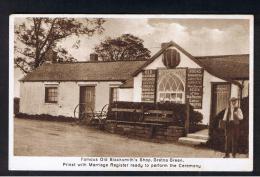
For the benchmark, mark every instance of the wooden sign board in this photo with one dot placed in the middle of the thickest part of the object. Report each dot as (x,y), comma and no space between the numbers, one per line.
(149,85)
(194,87)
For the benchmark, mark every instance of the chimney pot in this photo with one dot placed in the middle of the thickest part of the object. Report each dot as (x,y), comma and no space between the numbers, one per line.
(93,57)
(164,44)
(51,56)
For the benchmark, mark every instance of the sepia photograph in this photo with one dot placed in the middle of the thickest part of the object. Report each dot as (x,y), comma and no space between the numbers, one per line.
(169,92)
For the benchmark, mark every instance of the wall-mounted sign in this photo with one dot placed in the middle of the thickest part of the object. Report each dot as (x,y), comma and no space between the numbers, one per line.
(149,85)
(194,89)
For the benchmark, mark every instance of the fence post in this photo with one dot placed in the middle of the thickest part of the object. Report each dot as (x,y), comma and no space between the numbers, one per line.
(187,120)
(116,113)
(142,112)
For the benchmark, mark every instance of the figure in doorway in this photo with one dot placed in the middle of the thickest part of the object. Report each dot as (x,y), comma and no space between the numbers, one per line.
(232,117)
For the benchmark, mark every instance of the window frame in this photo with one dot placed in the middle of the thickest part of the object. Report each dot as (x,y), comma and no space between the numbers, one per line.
(46,96)
(111,95)
(164,81)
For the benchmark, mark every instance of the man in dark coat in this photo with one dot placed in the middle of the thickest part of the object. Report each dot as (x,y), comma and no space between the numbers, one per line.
(232,117)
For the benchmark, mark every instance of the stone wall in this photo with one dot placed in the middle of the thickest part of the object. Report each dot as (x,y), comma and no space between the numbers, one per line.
(143,131)
(32,99)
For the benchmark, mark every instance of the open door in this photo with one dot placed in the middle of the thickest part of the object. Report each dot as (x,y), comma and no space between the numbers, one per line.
(220,98)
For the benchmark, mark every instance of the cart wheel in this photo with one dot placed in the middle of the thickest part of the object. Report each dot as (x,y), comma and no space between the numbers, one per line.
(104,112)
(90,116)
(102,117)
(77,114)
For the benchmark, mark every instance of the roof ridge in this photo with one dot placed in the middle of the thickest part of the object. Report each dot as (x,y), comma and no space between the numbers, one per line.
(87,71)
(219,56)
(98,61)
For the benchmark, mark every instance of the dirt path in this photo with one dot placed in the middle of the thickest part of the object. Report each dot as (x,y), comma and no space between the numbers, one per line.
(46,138)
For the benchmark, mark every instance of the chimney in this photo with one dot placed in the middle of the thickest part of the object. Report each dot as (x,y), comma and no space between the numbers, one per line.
(93,57)
(164,44)
(51,56)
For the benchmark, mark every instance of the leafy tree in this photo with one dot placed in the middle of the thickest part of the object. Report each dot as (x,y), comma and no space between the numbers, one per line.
(36,37)
(125,47)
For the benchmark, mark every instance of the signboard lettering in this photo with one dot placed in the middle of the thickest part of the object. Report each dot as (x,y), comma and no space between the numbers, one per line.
(194,87)
(149,85)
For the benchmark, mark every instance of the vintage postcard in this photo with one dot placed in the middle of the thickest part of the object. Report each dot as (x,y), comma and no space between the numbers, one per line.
(131,92)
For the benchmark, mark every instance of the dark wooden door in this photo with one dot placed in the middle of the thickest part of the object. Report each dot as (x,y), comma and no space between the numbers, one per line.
(87,99)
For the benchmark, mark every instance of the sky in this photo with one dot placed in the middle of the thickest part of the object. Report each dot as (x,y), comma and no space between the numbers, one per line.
(200,37)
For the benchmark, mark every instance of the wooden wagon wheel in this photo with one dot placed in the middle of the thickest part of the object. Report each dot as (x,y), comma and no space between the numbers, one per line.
(102,116)
(82,116)
(91,116)
(77,113)
(104,111)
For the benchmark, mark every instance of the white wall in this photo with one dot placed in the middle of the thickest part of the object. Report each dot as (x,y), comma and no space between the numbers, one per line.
(245,90)
(206,100)
(185,62)
(33,97)
(234,91)
(125,94)
(137,91)
(68,98)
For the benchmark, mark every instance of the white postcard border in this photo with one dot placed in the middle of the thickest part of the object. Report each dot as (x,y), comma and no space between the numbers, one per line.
(56,163)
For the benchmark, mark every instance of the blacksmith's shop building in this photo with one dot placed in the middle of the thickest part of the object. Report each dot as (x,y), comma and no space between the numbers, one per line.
(172,74)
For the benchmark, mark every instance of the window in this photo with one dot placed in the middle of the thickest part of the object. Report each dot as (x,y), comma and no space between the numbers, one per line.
(171,89)
(51,94)
(113,94)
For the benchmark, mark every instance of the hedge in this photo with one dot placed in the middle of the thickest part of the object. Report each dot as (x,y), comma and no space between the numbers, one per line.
(45,117)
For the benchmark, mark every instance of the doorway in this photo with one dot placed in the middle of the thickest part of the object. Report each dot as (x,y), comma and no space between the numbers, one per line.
(221,92)
(87,100)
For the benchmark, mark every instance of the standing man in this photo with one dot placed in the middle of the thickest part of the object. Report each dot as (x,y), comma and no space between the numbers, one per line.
(232,117)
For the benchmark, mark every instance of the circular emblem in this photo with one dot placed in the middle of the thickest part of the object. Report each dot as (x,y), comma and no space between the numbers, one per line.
(171,58)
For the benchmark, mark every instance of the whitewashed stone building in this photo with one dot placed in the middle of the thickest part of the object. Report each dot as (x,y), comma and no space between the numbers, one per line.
(205,82)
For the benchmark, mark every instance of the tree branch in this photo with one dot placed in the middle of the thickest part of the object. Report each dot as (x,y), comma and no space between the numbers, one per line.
(22,60)
(37,26)
(46,50)
(22,68)
(48,35)
(25,54)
